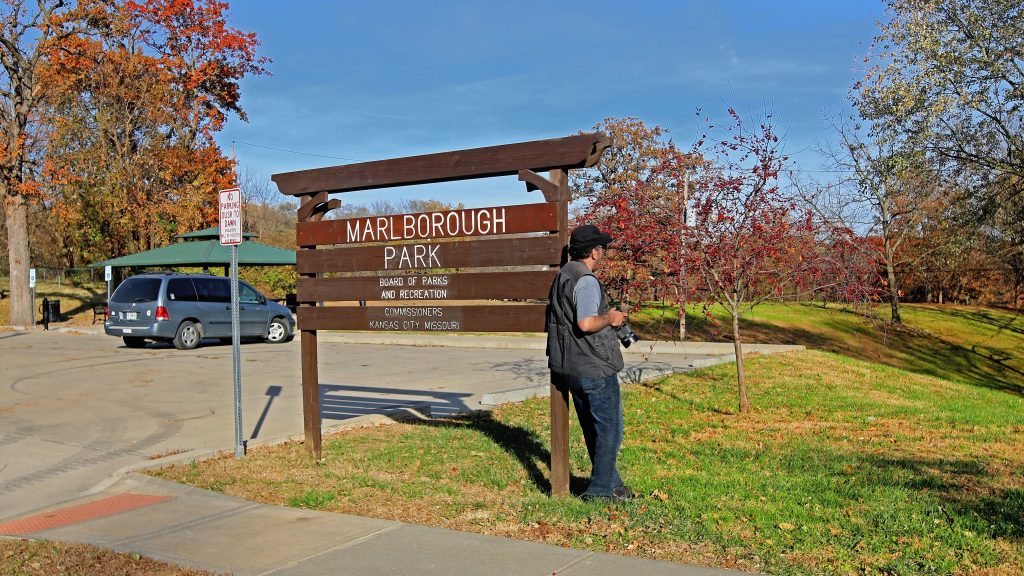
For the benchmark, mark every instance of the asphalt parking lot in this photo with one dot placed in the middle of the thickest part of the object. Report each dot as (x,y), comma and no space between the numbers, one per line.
(76,408)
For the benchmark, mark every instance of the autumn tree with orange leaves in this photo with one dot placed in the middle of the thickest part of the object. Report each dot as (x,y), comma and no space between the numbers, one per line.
(109,111)
(135,105)
(630,194)
(25,37)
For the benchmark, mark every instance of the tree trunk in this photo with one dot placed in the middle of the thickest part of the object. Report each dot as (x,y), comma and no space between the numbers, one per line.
(741,376)
(16,213)
(894,291)
(682,318)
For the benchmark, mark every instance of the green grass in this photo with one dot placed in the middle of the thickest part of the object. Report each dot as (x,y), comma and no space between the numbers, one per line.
(842,467)
(972,345)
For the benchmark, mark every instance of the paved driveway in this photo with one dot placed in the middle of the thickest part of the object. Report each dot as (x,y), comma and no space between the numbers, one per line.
(74,409)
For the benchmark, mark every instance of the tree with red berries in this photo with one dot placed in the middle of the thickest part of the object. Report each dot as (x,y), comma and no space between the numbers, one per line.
(748,243)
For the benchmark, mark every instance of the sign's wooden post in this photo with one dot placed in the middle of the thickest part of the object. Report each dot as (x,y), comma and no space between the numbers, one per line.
(407,267)
(312,209)
(560,395)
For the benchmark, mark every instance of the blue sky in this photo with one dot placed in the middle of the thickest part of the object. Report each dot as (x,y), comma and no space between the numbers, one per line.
(367,80)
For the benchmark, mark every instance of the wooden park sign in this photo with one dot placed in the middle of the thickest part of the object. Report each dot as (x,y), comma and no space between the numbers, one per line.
(475,270)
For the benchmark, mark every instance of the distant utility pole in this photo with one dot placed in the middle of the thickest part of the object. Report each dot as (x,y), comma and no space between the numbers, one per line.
(682,253)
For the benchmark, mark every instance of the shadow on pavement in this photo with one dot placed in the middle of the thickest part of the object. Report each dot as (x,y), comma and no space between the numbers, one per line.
(341,402)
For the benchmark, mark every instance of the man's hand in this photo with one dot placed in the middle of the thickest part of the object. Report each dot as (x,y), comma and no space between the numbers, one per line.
(592,324)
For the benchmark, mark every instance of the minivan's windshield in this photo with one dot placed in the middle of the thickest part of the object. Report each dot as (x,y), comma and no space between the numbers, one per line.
(137,290)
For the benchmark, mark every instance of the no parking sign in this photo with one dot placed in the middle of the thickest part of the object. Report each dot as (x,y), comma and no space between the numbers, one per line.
(231,216)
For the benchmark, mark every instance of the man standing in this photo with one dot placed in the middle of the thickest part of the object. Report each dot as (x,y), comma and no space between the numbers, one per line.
(584,357)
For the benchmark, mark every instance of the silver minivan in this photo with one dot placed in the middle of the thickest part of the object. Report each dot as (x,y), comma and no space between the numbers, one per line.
(185,308)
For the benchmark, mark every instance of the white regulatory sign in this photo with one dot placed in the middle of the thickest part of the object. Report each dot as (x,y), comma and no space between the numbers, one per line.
(107,275)
(31,277)
(231,216)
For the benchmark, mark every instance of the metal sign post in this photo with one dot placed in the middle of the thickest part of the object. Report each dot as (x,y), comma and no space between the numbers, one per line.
(32,288)
(231,234)
(108,276)
(236,353)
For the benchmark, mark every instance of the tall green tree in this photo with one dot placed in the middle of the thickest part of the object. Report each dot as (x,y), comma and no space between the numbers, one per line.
(885,191)
(949,75)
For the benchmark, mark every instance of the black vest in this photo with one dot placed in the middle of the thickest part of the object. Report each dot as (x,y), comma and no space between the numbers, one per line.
(570,350)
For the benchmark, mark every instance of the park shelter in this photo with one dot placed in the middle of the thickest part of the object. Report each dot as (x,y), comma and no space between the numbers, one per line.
(202,249)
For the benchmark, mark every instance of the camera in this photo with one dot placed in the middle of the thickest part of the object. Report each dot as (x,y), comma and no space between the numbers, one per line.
(626,335)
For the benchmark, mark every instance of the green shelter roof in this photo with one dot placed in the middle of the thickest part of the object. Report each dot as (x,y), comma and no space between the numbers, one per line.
(195,252)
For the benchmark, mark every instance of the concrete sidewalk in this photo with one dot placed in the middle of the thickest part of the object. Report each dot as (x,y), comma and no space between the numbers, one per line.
(191,527)
(187,526)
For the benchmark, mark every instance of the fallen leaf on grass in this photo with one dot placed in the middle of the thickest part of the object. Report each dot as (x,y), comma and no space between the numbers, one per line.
(786,526)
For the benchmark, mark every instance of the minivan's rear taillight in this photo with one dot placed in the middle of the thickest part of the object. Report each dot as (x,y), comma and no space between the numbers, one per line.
(161,313)
(107,312)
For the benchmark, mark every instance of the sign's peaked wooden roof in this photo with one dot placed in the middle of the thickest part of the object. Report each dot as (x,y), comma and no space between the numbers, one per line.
(580,151)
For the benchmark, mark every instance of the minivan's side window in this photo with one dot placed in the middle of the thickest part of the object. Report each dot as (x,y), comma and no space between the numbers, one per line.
(181,290)
(137,290)
(213,289)
(248,294)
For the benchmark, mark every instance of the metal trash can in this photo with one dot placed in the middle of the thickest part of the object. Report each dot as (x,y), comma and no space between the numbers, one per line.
(51,311)
(55,311)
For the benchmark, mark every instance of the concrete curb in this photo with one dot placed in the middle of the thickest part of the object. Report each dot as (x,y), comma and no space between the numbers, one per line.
(634,375)
(80,331)
(403,414)
(630,375)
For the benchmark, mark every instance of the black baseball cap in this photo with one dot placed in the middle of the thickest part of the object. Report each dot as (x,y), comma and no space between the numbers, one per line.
(589,236)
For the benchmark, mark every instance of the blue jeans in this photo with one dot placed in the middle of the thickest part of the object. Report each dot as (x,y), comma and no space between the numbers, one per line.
(599,409)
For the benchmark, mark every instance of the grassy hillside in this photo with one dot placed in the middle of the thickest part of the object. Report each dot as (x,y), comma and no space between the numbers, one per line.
(972,345)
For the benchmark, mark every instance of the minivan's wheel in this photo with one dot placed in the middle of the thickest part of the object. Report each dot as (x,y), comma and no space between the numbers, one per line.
(133,341)
(278,331)
(187,337)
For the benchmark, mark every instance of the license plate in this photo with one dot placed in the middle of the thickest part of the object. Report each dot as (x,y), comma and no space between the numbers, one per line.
(131,315)
(127,330)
